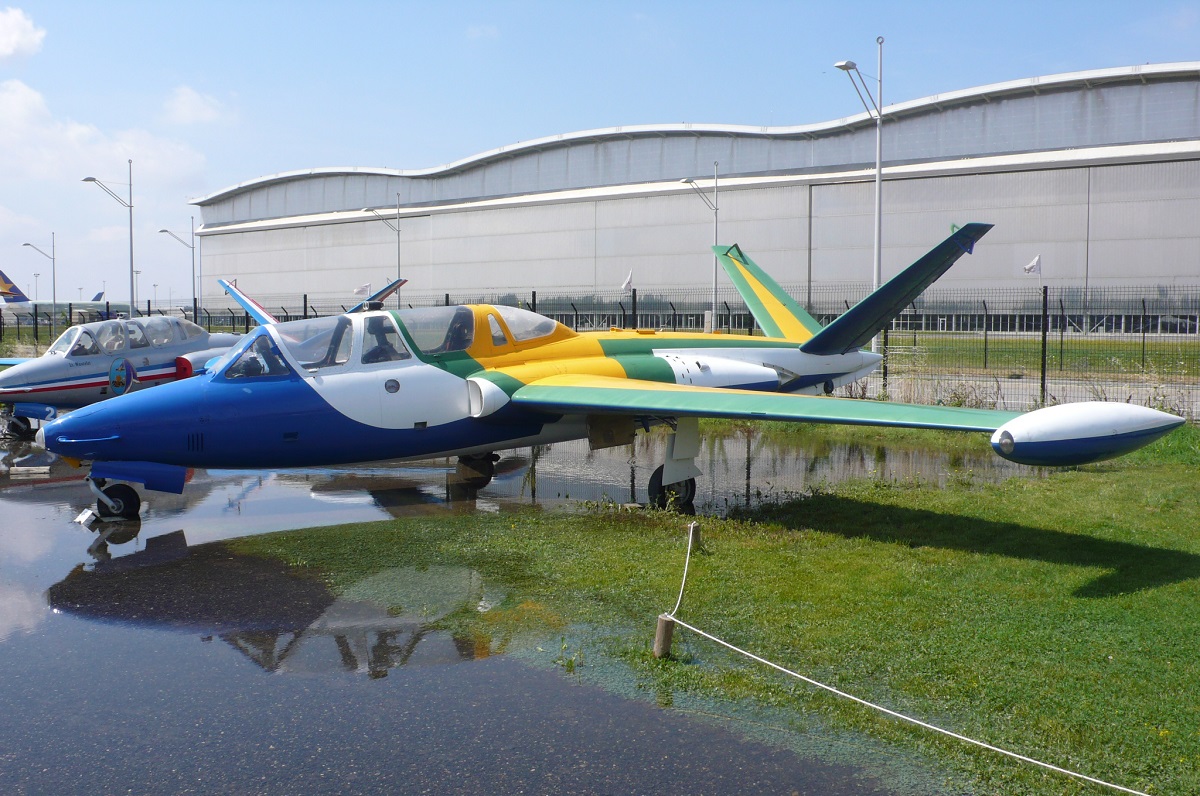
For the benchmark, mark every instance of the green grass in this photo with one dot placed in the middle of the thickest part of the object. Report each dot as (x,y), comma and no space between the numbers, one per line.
(1053,616)
(1078,357)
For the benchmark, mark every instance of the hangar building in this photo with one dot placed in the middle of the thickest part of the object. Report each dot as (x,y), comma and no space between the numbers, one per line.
(1098,172)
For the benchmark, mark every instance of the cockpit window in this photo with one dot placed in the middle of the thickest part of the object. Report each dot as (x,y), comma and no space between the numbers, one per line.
(85,346)
(498,338)
(258,359)
(187,329)
(526,325)
(137,335)
(63,344)
(160,329)
(438,330)
(318,343)
(111,336)
(382,342)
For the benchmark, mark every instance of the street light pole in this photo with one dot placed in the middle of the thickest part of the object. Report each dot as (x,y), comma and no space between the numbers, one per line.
(192,246)
(394,228)
(53,283)
(129,204)
(713,205)
(876,104)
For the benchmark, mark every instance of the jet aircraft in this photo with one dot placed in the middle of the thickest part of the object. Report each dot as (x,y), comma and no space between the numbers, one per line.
(15,302)
(103,359)
(471,380)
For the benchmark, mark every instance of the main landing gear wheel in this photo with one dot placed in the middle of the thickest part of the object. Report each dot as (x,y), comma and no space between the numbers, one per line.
(21,428)
(126,502)
(677,495)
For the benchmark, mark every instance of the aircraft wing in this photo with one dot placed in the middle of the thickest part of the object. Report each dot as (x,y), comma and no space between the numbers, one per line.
(577,394)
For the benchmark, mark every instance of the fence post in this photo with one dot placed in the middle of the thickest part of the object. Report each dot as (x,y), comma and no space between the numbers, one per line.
(533,300)
(1143,335)
(35,329)
(1062,331)
(1045,330)
(306,306)
(633,301)
(986,323)
(886,329)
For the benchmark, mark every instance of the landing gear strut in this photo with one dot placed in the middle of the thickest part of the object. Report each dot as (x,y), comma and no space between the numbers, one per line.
(673,485)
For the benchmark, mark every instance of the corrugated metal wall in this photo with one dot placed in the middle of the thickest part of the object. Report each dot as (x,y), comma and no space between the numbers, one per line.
(1103,225)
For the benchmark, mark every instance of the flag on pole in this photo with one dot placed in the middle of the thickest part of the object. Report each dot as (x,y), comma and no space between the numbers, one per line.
(363,290)
(627,285)
(1035,265)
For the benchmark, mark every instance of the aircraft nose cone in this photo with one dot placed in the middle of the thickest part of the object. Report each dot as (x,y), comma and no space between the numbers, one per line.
(87,433)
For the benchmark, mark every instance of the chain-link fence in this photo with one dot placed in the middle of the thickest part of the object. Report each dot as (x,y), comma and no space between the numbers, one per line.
(1012,348)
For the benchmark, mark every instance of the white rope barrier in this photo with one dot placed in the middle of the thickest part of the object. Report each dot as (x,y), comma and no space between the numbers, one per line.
(872,705)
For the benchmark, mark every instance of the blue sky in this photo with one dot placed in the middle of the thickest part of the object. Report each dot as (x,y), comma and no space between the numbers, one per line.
(205,95)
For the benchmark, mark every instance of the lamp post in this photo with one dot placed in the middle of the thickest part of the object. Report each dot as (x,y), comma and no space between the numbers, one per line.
(192,246)
(395,228)
(137,278)
(35,293)
(53,282)
(713,205)
(129,204)
(876,104)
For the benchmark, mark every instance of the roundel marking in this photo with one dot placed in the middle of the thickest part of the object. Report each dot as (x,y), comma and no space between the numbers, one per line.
(121,375)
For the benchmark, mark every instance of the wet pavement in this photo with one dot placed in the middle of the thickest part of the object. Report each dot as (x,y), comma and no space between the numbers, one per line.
(148,662)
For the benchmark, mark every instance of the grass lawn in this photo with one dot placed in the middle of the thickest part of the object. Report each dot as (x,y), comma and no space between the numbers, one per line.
(1055,616)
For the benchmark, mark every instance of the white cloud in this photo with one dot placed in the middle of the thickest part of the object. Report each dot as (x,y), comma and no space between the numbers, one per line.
(19,610)
(188,106)
(18,34)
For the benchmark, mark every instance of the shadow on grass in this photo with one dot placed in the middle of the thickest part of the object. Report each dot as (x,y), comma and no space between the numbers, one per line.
(1132,567)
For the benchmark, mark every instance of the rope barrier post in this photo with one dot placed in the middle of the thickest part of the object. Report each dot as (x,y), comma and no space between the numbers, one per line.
(694,535)
(662,636)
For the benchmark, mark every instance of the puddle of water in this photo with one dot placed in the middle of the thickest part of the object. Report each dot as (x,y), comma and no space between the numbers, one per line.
(153,663)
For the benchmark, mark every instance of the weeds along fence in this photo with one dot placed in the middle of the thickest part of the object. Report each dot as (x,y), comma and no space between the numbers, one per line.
(1011,348)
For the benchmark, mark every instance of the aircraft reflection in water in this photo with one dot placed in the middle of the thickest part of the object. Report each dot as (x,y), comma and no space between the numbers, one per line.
(282,622)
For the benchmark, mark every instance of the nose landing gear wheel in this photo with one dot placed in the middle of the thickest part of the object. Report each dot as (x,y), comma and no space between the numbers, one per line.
(21,428)
(126,499)
(678,494)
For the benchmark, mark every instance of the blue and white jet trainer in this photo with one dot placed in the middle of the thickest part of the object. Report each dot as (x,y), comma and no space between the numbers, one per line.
(471,380)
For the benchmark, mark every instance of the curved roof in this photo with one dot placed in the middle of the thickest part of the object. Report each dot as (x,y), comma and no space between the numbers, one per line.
(1134,104)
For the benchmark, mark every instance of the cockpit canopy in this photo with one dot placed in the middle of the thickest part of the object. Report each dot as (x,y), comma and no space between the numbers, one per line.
(111,337)
(365,339)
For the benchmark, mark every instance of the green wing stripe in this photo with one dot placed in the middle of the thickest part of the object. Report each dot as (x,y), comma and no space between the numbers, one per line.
(600,395)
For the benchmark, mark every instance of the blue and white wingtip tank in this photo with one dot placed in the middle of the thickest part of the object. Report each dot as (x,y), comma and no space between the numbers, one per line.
(1065,435)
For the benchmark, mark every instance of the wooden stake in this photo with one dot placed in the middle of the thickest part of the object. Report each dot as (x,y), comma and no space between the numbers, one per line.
(662,636)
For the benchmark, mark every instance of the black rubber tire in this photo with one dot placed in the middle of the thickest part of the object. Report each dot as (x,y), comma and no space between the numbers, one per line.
(127,499)
(678,494)
(21,428)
